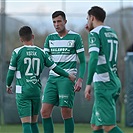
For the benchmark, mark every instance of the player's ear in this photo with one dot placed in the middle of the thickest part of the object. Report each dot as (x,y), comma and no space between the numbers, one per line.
(21,40)
(33,36)
(65,21)
(92,18)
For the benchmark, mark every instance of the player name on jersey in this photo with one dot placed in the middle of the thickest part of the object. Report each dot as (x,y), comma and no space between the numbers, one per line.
(110,34)
(29,53)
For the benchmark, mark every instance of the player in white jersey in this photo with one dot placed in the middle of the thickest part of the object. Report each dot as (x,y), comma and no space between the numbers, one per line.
(28,62)
(64,46)
(102,69)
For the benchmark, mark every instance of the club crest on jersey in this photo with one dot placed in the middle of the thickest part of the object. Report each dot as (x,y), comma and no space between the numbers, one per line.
(92,40)
(70,43)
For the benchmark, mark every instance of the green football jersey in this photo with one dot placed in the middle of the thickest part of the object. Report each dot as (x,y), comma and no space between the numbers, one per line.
(104,40)
(64,50)
(28,63)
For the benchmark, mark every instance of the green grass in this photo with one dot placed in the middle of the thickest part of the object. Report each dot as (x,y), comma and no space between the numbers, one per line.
(59,128)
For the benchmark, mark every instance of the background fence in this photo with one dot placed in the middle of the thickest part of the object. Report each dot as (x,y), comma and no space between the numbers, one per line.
(129,89)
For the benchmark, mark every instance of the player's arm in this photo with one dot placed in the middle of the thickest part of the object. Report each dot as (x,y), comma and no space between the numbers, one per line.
(94,44)
(50,63)
(82,64)
(10,73)
(61,72)
(46,45)
(94,47)
(91,70)
(9,79)
(82,69)
(92,66)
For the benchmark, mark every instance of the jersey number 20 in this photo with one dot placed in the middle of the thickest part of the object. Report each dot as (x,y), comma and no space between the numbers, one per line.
(34,64)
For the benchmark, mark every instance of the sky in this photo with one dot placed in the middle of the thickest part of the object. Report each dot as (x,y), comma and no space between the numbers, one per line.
(38,12)
(47,6)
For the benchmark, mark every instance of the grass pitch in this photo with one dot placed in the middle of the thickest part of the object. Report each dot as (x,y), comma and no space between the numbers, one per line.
(59,128)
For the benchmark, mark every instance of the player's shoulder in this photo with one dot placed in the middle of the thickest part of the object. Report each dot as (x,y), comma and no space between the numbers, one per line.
(25,47)
(98,29)
(39,49)
(73,34)
(16,50)
(53,34)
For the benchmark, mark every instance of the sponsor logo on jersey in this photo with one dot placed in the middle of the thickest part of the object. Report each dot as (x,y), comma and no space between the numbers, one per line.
(32,80)
(63,96)
(59,49)
(92,40)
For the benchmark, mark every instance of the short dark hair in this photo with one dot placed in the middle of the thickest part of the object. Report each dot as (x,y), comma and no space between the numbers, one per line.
(57,13)
(98,12)
(25,33)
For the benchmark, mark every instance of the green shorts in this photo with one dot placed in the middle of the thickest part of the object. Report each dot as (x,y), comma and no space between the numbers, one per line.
(59,91)
(104,109)
(28,107)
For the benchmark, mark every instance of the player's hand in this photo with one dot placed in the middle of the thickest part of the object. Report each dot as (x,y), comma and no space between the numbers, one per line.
(72,77)
(87,28)
(88,92)
(9,90)
(78,85)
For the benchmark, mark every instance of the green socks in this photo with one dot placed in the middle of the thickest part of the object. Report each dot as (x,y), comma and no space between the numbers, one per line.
(48,125)
(34,127)
(116,130)
(30,127)
(69,125)
(26,127)
(98,131)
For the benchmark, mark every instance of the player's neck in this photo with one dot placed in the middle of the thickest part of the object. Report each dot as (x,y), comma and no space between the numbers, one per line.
(96,24)
(63,33)
(28,43)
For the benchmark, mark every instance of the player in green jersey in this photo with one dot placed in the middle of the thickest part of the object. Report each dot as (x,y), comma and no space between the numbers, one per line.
(64,46)
(28,62)
(102,69)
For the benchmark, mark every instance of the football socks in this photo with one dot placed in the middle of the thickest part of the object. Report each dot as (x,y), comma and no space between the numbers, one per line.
(34,127)
(69,125)
(48,125)
(98,131)
(116,130)
(26,127)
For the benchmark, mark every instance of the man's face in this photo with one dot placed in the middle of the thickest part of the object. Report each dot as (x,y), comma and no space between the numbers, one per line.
(59,24)
(90,22)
